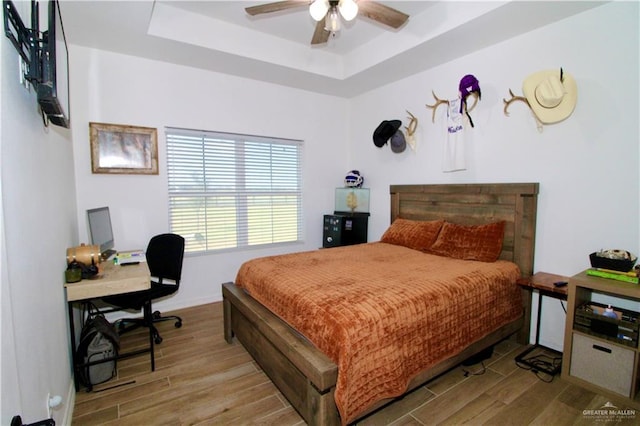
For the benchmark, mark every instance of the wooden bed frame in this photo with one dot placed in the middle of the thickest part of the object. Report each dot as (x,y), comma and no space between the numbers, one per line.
(305,375)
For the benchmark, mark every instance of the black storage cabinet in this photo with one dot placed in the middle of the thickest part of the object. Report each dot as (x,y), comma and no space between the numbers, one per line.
(344,229)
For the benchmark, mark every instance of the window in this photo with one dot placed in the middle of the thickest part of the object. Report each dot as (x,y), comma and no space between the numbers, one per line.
(231,191)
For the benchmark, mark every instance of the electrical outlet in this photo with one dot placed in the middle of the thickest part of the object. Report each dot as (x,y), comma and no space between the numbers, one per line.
(52,403)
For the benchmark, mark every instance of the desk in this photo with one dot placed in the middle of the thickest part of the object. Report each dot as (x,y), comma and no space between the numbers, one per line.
(543,282)
(113,279)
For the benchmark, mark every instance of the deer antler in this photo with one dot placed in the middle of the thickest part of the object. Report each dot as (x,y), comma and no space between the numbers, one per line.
(411,130)
(413,124)
(513,98)
(435,106)
(523,99)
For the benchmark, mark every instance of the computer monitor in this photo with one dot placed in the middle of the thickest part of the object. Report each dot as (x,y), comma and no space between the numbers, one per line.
(100,230)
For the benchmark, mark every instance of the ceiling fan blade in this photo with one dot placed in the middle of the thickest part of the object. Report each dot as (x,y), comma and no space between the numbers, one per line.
(274,7)
(384,14)
(320,35)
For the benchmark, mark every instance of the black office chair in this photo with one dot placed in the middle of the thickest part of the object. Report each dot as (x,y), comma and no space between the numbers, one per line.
(164,258)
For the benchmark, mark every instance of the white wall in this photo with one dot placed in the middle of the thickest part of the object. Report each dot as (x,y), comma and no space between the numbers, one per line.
(587,166)
(122,89)
(38,223)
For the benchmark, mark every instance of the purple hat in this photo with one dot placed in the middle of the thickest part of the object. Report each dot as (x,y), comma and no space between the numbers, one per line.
(468,85)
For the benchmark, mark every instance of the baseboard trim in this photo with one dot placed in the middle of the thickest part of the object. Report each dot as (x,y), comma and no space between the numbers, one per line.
(71,402)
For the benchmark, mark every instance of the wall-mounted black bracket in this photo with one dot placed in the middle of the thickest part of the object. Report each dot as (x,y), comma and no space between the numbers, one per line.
(16,31)
(27,41)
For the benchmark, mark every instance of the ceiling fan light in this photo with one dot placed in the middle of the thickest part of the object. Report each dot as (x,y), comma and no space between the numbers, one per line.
(348,9)
(318,9)
(332,21)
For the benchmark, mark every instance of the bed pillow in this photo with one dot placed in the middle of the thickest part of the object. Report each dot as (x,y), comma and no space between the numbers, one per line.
(414,234)
(470,242)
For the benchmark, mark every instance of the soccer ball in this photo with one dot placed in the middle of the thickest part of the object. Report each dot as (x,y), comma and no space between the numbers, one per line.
(353,179)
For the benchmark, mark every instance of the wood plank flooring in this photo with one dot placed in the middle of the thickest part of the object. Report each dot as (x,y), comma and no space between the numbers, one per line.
(202,380)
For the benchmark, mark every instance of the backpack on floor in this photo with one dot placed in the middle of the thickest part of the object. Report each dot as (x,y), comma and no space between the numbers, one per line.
(98,340)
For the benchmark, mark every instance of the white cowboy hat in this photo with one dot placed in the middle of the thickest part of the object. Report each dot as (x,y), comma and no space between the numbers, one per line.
(552,95)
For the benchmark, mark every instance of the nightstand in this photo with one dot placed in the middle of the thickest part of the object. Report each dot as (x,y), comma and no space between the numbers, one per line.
(544,283)
(602,354)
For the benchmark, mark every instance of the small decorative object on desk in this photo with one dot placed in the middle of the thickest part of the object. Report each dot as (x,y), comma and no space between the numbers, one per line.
(82,263)
(86,254)
(130,256)
(73,274)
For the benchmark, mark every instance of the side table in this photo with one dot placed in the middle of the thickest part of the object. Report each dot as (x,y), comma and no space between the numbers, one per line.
(543,282)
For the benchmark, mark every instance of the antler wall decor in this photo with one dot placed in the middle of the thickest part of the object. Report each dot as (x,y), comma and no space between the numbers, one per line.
(526,101)
(444,101)
(411,130)
(413,124)
(436,105)
(513,99)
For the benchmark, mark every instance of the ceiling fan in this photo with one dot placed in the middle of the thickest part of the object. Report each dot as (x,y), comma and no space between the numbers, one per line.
(327,13)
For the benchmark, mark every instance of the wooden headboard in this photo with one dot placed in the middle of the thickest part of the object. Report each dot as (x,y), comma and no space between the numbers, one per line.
(474,204)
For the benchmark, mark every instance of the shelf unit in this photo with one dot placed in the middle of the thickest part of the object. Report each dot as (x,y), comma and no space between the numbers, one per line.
(600,362)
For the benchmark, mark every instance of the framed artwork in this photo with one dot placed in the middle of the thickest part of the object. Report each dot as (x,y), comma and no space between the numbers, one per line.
(121,149)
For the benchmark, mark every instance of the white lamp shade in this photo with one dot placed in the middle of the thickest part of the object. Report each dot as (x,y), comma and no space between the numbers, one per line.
(348,9)
(318,9)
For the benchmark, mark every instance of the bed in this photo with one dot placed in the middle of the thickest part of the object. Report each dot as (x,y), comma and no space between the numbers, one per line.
(311,379)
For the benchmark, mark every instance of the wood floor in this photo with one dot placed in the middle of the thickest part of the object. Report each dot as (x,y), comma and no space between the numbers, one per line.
(200,379)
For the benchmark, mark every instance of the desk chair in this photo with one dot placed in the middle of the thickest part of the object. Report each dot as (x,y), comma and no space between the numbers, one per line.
(164,258)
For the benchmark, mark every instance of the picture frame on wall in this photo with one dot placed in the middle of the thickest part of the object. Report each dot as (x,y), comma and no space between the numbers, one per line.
(123,149)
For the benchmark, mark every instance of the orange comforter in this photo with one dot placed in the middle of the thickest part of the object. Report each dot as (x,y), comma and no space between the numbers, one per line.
(382,312)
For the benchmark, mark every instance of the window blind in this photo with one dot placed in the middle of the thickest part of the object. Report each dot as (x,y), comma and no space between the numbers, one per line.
(229,191)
